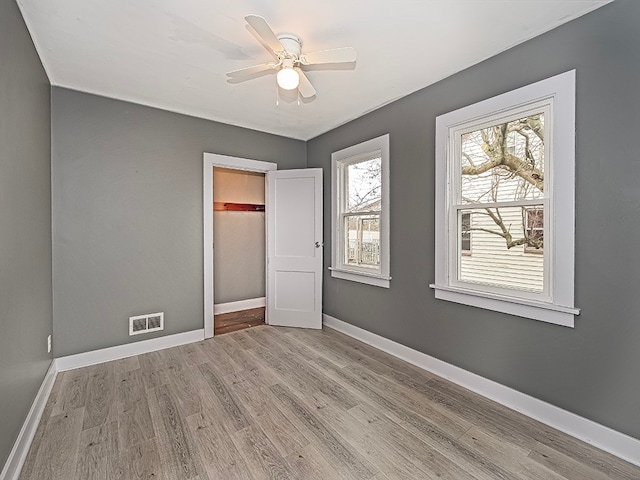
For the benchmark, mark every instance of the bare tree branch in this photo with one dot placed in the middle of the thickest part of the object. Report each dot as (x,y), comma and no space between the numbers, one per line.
(468,157)
(524,161)
(532,123)
(495,147)
(513,164)
(506,234)
(483,167)
(524,170)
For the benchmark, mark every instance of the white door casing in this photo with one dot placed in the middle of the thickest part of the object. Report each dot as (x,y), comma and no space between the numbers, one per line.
(212,160)
(294,248)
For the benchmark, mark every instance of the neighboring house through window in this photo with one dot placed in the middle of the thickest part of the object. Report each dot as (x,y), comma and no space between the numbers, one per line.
(465,234)
(505,166)
(534,230)
(360,208)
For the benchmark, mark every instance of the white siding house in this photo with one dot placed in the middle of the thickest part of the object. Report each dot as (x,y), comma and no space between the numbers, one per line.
(488,261)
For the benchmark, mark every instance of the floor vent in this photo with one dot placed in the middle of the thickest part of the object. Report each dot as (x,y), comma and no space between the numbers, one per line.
(151,322)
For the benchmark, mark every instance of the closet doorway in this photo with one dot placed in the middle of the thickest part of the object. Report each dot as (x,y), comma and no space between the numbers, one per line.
(294,241)
(239,239)
(214,162)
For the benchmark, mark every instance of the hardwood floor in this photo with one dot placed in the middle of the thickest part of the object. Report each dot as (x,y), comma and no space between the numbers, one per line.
(234,321)
(278,403)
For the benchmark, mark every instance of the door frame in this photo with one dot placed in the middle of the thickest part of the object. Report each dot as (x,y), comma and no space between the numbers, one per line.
(210,161)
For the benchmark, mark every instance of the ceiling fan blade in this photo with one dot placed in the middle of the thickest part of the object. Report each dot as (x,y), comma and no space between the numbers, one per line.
(243,72)
(335,55)
(263,29)
(304,87)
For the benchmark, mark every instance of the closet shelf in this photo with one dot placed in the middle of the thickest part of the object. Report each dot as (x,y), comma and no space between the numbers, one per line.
(237,207)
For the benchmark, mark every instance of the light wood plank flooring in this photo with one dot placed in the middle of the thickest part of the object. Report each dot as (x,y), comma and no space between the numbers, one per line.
(276,403)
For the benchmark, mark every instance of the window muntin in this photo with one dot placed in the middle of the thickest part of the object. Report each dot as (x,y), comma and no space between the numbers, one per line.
(360,212)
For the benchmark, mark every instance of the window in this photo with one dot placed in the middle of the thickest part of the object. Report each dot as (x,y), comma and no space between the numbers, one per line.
(465,234)
(497,186)
(534,230)
(360,208)
(505,166)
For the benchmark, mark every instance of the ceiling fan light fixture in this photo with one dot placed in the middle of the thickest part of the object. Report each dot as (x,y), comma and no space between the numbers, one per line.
(288,78)
(287,49)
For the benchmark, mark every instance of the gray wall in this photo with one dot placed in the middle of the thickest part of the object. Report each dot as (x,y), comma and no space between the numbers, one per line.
(239,256)
(25,224)
(593,369)
(127,214)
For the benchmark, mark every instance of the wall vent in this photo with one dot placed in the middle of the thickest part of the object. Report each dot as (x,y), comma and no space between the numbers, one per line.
(151,322)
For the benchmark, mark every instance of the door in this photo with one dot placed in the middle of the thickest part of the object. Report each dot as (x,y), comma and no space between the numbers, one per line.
(294,248)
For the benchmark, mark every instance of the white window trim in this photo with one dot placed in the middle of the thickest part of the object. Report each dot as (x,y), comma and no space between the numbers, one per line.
(560,308)
(338,268)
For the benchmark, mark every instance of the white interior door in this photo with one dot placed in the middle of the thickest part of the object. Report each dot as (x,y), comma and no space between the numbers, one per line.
(294,248)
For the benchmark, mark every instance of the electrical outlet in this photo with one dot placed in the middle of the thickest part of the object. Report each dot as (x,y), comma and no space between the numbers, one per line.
(49,344)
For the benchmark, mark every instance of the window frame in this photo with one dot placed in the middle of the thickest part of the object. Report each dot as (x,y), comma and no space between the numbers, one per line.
(557,305)
(340,160)
(456,204)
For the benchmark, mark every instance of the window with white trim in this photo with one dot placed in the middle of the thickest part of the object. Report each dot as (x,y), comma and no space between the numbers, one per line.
(505,191)
(360,212)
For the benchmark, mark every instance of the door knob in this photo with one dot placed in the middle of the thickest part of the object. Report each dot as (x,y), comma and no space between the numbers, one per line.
(318,244)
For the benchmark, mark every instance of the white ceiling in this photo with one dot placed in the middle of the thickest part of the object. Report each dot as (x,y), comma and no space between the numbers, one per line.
(173,54)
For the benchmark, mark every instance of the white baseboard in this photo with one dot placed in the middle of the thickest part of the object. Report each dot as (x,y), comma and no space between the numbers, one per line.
(127,350)
(604,438)
(15,461)
(239,305)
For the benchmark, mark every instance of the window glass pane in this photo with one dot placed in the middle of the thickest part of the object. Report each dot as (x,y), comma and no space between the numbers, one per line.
(364,186)
(363,240)
(503,162)
(534,228)
(500,241)
(465,232)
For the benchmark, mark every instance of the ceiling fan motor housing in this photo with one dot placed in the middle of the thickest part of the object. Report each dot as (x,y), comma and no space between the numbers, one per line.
(291,43)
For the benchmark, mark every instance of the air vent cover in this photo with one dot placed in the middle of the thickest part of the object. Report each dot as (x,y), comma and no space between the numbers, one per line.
(150,322)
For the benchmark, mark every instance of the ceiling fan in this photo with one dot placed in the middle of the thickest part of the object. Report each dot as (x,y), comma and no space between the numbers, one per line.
(287,48)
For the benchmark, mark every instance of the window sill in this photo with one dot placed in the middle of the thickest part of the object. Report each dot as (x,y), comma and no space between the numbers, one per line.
(545,312)
(368,278)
